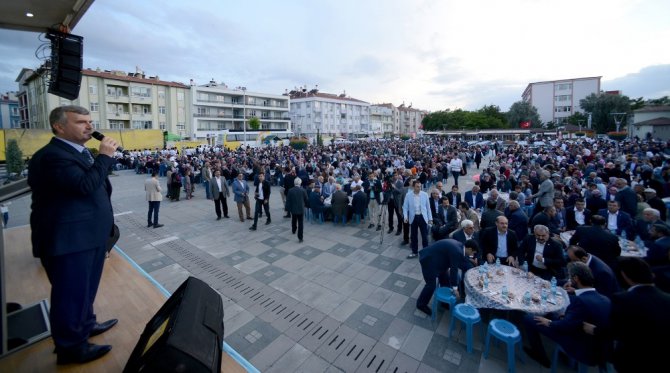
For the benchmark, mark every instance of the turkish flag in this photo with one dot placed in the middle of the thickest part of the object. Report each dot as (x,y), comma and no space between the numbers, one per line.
(525,124)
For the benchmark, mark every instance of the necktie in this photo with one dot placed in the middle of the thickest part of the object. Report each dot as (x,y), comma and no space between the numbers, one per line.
(88,155)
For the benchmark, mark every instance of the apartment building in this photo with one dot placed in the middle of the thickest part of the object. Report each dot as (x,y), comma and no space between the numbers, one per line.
(381,119)
(330,114)
(219,110)
(409,120)
(558,99)
(116,100)
(9,111)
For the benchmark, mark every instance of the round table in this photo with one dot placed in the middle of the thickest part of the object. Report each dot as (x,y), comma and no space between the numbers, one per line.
(517,283)
(628,247)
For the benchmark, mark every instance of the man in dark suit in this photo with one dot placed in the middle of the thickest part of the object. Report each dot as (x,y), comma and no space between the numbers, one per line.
(518,221)
(618,221)
(546,218)
(605,280)
(455,197)
(626,197)
(296,200)
(474,198)
(445,220)
(650,217)
(439,259)
(499,242)
(595,202)
(262,197)
(577,216)
(655,202)
(586,306)
(219,189)
(639,319)
(435,201)
(71,221)
(489,215)
(543,254)
(597,240)
(467,232)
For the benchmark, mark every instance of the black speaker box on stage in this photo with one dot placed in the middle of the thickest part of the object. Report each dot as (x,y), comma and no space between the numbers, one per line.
(185,335)
(66,64)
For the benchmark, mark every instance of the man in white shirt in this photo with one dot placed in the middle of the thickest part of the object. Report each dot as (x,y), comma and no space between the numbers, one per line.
(416,212)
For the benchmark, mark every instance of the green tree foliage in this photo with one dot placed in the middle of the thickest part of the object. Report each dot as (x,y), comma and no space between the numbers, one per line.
(14,156)
(447,120)
(663,101)
(522,111)
(319,139)
(577,117)
(601,106)
(254,123)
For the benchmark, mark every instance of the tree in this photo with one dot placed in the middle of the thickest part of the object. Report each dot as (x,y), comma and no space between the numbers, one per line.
(578,118)
(493,111)
(663,101)
(14,155)
(254,123)
(601,106)
(522,111)
(319,139)
(447,120)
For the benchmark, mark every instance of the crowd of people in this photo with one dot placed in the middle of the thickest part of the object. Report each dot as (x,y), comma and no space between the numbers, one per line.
(522,199)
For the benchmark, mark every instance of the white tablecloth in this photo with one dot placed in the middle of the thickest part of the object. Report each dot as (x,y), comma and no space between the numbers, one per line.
(517,284)
(628,247)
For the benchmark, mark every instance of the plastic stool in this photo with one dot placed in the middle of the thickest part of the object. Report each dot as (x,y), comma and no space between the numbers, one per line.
(317,216)
(469,316)
(508,333)
(444,295)
(356,219)
(338,218)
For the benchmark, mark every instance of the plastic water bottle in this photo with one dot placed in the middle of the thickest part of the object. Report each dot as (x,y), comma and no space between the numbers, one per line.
(526,298)
(524,267)
(623,234)
(553,286)
(486,283)
(505,293)
(497,263)
(543,297)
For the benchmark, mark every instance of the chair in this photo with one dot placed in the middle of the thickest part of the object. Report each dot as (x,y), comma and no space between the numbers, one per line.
(338,218)
(603,367)
(356,218)
(317,216)
(508,333)
(469,316)
(444,295)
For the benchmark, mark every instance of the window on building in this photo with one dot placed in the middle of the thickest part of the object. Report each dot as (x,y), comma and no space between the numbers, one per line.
(162,125)
(181,126)
(142,124)
(180,96)
(140,91)
(343,116)
(161,110)
(94,107)
(317,104)
(92,89)
(117,124)
(161,94)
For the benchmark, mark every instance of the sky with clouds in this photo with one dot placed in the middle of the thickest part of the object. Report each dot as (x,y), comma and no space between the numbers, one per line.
(434,54)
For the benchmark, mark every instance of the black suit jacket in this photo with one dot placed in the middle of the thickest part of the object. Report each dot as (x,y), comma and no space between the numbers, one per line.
(450,195)
(571,223)
(552,255)
(441,256)
(71,207)
(266,191)
(489,242)
(640,319)
(599,242)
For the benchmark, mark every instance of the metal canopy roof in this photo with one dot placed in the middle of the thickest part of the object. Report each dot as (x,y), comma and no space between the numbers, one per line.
(47,14)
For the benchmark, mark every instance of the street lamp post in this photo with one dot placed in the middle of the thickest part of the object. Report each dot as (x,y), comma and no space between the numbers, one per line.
(244,115)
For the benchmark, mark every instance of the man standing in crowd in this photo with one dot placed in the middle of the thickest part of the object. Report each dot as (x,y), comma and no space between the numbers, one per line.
(416,212)
(241,192)
(71,221)
(219,190)
(545,193)
(262,197)
(296,200)
(154,196)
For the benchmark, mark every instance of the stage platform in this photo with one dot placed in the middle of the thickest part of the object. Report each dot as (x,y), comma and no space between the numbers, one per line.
(125,294)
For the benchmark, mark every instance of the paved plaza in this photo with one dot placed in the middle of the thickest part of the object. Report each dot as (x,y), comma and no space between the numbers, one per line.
(342,300)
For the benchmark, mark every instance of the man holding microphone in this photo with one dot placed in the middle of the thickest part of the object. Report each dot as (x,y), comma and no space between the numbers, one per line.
(71,220)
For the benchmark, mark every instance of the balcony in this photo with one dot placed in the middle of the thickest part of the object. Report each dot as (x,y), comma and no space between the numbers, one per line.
(208,115)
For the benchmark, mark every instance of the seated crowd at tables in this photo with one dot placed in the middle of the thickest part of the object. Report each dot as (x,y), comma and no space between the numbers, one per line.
(520,210)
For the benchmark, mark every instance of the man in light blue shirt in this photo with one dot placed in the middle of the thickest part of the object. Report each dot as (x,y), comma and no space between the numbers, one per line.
(416,212)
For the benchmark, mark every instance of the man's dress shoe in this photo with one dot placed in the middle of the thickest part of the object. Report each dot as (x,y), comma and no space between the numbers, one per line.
(103,327)
(82,355)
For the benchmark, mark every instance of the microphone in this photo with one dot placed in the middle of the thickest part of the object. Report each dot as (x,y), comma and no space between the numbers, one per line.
(99,136)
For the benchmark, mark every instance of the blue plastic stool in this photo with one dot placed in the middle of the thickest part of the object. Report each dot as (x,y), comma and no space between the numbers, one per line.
(444,295)
(308,214)
(317,216)
(356,218)
(508,333)
(469,316)
(338,218)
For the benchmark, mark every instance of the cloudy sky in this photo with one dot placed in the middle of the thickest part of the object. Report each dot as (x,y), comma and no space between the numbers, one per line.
(434,54)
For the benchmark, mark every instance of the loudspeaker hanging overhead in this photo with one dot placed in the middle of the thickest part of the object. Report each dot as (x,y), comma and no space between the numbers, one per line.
(66,64)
